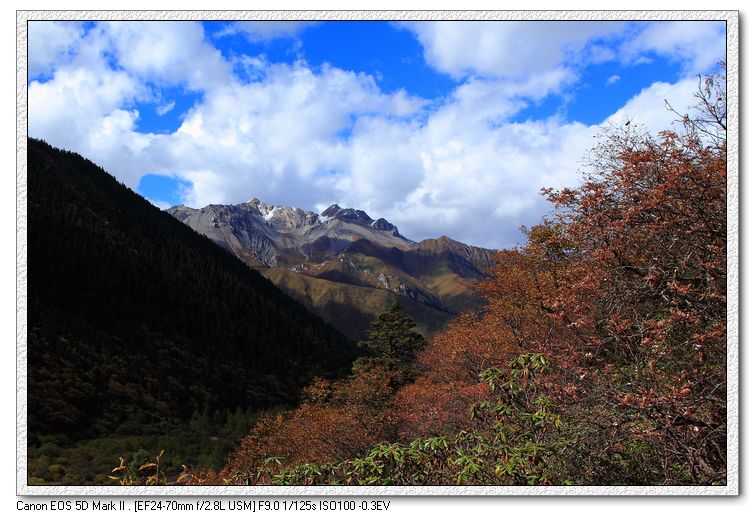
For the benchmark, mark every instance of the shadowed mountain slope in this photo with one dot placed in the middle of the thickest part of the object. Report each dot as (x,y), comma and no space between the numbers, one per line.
(135,321)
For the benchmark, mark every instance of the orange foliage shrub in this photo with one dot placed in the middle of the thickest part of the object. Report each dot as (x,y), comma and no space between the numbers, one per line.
(336,420)
(516,319)
(624,291)
(647,296)
(426,408)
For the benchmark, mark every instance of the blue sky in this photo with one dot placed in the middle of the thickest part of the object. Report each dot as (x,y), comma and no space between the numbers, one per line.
(441,127)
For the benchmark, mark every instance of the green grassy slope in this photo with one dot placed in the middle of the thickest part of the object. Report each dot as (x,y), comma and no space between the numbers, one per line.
(351,308)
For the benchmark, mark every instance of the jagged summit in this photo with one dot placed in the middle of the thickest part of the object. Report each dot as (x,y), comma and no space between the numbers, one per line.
(343,263)
(355,216)
(383,225)
(331,211)
(334,211)
(292,217)
(272,235)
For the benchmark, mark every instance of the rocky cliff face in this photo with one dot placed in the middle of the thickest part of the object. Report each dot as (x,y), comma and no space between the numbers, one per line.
(283,235)
(348,253)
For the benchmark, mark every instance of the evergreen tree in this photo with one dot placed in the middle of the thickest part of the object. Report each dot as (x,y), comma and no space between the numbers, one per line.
(392,342)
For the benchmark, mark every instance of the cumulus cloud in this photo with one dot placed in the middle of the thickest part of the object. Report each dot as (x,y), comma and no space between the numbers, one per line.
(697,45)
(511,50)
(649,107)
(68,113)
(50,44)
(168,53)
(284,133)
(480,180)
(303,136)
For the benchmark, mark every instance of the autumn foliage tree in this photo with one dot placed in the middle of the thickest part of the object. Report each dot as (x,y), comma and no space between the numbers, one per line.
(622,293)
(509,443)
(512,322)
(337,418)
(645,289)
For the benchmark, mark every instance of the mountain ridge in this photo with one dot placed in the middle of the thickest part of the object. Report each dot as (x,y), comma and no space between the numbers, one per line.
(346,247)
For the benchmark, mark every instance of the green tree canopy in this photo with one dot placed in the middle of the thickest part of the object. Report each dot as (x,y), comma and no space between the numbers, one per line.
(393,341)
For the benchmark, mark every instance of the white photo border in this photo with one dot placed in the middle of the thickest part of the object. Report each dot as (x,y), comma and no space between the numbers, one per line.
(732,77)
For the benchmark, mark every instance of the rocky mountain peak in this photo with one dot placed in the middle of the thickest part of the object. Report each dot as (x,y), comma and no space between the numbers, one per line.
(355,216)
(262,207)
(331,211)
(342,262)
(270,234)
(383,225)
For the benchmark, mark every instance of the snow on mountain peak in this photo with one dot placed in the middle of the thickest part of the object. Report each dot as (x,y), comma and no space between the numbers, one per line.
(267,215)
(282,217)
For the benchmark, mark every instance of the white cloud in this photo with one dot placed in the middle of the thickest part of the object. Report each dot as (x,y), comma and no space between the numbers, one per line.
(166,108)
(613,79)
(50,43)
(84,107)
(698,45)
(648,108)
(510,50)
(287,133)
(168,53)
(80,109)
(278,135)
(261,31)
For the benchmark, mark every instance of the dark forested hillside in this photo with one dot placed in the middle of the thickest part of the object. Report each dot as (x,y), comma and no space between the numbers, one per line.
(136,322)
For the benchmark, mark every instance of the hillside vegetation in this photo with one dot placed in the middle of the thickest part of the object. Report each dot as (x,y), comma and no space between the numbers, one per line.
(598,358)
(136,323)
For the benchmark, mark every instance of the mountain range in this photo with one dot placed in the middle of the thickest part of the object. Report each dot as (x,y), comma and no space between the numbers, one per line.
(144,326)
(344,265)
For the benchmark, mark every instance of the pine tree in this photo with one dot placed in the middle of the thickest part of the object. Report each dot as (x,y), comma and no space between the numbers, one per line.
(392,341)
